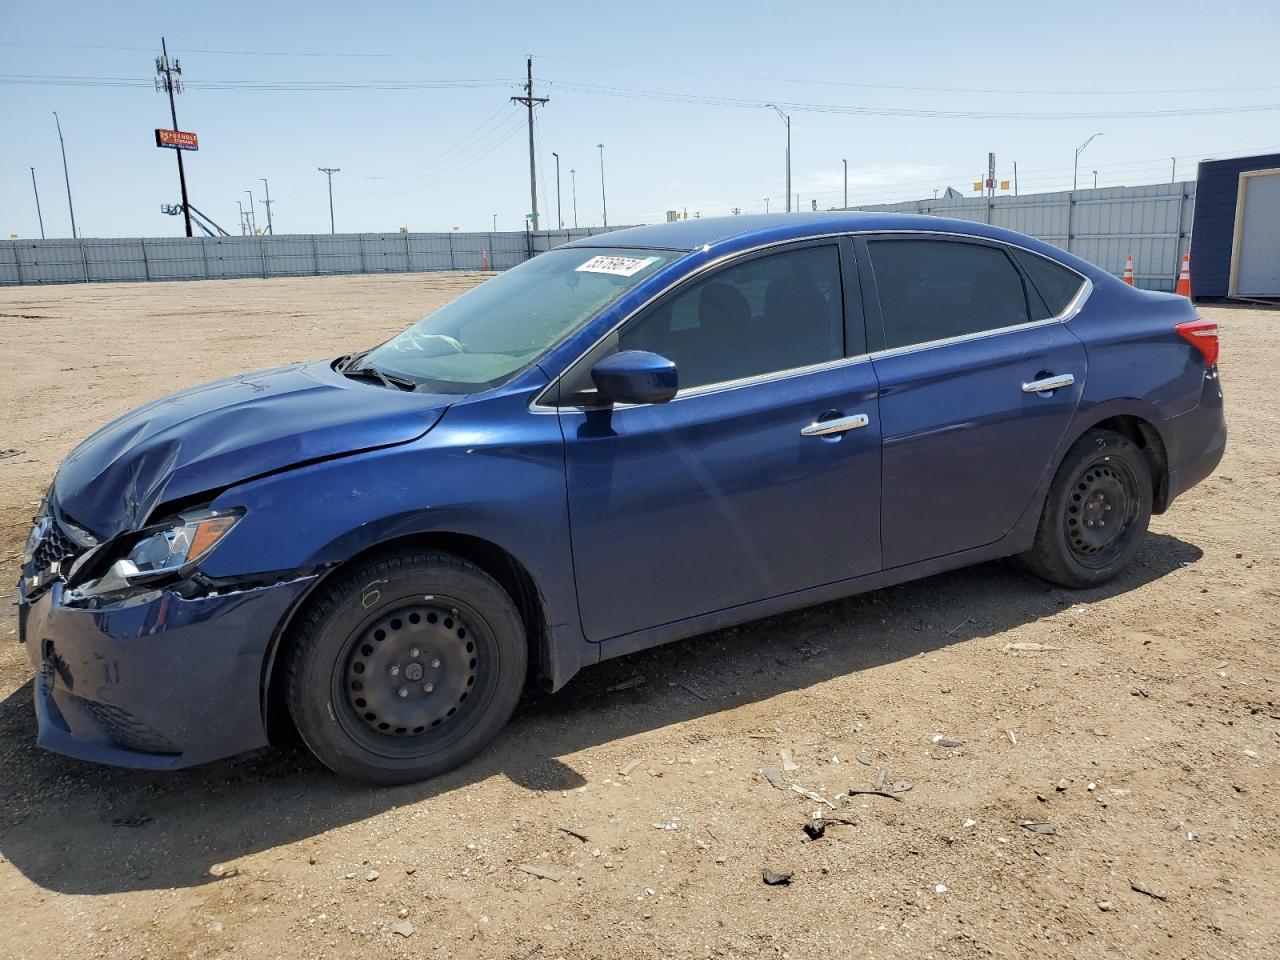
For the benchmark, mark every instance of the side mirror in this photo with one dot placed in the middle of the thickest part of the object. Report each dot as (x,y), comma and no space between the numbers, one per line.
(636,376)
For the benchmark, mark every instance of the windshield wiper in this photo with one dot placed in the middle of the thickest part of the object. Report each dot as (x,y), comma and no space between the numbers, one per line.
(388,380)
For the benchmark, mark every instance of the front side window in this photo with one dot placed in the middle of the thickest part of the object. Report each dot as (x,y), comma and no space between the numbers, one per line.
(499,328)
(772,313)
(937,289)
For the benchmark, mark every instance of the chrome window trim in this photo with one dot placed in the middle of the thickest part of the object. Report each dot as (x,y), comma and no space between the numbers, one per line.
(1077,303)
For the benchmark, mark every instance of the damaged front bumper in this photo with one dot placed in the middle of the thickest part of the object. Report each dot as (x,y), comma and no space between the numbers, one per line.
(158,681)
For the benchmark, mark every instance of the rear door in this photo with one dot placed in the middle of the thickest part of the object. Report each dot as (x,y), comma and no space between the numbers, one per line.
(978,384)
(762,476)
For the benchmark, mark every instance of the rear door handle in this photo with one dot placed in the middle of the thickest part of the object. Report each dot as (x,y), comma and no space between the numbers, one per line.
(1049,383)
(822,428)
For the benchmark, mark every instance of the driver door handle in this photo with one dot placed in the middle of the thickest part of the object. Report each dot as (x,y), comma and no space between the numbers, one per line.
(822,428)
(1049,383)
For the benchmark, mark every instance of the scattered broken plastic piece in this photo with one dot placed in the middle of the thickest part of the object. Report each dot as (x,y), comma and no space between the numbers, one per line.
(1027,646)
(864,758)
(629,767)
(881,776)
(774,776)
(816,798)
(1013,737)
(553,875)
(773,879)
(1139,888)
(875,793)
(900,786)
(578,834)
(1043,827)
(788,760)
(632,681)
(669,825)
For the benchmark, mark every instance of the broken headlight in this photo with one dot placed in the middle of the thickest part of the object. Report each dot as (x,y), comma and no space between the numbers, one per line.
(163,550)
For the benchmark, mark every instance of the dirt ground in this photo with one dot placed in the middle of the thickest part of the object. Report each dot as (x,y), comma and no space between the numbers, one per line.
(1149,736)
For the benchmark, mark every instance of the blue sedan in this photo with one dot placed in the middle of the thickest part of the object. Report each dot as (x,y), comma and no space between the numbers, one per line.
(625,441)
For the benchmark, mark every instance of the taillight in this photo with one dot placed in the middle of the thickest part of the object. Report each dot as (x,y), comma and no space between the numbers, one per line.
(1203,335)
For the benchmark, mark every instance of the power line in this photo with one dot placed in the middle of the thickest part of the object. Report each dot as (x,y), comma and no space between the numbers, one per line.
(648,68)
(430,161)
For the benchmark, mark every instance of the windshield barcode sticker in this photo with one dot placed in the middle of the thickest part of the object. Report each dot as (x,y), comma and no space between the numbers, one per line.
(617,266)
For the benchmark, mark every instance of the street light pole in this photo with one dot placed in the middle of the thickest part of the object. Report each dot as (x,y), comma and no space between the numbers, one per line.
(766,204)
(604,206)
(1075,173)
(846,183)
(559,218)
(1095,179)
(267,203)
(495,223)
(573,186)
(253,217)
(786,118)
(65,175)
(240,204)
(329,172)
(36,191)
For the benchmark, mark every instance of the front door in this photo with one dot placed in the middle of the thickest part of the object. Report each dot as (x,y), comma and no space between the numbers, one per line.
(762,476)
(964,341)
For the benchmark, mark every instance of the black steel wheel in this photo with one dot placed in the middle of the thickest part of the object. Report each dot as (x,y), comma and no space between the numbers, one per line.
(1096,513)
(405,667)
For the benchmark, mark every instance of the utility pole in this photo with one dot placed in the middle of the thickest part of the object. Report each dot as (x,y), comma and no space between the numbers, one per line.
(36,191)
(573,186)
(167,82)
(65,175)
(846,183)
(253,217)
(1015,178)
(1095,179)
(786,118)
(495,223)
(267,203)
(604,206)
(529,101)
(329,172)
(559,218)
(1173,169)
(766,204)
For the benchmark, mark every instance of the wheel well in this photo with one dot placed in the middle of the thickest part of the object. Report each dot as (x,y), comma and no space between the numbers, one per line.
(1146,438)
(489,557)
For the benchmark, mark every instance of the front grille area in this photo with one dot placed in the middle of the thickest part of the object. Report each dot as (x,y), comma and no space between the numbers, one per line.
(51,559)
(127,731)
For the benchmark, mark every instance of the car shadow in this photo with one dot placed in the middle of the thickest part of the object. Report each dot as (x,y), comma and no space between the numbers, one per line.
(77,828)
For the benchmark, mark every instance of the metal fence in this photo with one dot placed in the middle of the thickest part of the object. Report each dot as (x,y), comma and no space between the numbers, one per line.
(1152,223)
(287,255)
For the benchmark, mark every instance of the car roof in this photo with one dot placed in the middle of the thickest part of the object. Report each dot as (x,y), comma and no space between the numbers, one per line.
(733,233)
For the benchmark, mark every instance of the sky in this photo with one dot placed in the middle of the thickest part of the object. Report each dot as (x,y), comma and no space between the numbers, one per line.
(411,102)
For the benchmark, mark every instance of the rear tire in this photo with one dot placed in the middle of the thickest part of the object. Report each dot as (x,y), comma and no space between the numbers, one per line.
(1096,514)
(405,667)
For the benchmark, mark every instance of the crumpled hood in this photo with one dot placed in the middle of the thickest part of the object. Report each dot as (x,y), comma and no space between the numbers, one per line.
(228,431)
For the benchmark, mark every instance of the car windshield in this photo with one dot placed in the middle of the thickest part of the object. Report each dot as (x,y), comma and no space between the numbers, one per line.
(500,327)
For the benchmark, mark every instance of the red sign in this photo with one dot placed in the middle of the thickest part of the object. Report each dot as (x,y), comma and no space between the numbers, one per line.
(177,139)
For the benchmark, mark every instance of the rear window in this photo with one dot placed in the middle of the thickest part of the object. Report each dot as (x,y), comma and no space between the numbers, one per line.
(1056,284)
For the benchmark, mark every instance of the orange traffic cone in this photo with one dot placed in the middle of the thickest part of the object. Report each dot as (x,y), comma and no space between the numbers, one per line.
(1184,278)
(1128,270)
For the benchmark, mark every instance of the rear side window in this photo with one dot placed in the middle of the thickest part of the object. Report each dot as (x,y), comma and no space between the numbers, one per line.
(1056,284)
(936,289)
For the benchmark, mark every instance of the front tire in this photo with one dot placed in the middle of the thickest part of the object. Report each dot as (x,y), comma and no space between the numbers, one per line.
(1096,514)
(405,667)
